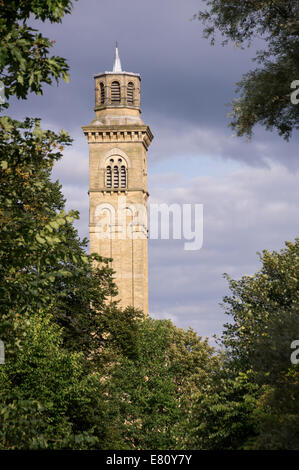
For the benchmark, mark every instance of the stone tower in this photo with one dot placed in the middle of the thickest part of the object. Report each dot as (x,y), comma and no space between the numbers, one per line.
(118,141)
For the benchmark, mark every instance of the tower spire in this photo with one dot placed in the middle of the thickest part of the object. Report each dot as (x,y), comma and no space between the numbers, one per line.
(117,65)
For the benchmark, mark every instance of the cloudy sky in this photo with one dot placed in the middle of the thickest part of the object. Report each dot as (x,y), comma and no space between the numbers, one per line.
(249,190)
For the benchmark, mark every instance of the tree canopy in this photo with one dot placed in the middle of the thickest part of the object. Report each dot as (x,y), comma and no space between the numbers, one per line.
(264,93)
(265,322)
(25,63)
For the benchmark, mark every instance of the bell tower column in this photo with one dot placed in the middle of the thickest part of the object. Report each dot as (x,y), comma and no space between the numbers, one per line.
(118,142)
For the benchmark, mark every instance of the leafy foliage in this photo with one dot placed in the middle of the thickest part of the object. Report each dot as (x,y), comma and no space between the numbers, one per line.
(259,301)
(25,64)
(153,393)
(265,314)
(225,411)
(43,263)
(264,93)
(43,391)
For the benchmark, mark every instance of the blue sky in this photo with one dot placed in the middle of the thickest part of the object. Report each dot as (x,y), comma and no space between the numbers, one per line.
(249,190)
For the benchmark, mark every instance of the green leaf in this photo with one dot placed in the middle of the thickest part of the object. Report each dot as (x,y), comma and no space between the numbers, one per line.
(54,224)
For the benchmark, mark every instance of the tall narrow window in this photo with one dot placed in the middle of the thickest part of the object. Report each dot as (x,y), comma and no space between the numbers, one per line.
(108,177)
(115,92)
(115,177)
(123,176)
(102,93)
(130,93)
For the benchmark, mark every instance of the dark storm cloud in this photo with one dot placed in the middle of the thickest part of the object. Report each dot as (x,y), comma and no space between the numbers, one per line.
(173,138)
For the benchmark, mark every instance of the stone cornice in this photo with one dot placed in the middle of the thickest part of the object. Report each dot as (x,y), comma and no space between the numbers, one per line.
(118,133)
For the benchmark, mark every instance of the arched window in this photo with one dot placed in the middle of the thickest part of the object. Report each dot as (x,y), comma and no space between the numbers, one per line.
(116,173)
(115,92)
(108,177)
(130,93)
(116,177)
(123,176)
(102,88)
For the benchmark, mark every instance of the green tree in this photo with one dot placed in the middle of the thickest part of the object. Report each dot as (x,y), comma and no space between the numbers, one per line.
(265,321)
(269,295)
(25,63)
(153,393)
(47,398)
(43,262)
(264,93)
(224,412)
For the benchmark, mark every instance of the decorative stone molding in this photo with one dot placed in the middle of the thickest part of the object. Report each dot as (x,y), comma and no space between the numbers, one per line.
(127,133)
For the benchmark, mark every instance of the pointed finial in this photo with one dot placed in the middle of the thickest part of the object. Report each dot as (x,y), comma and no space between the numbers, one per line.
(117,65)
